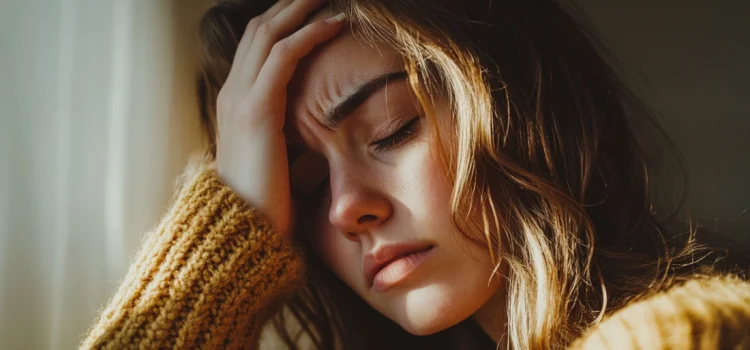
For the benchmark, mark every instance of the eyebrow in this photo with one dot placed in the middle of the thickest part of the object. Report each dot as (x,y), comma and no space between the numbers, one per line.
(338,114)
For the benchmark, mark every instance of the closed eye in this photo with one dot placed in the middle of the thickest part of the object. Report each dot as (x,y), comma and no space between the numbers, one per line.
(399,137)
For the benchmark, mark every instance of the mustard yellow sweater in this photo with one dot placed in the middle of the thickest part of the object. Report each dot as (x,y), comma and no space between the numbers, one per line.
(213,271)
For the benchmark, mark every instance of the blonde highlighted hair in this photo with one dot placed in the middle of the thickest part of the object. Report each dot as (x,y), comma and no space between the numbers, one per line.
(548,149)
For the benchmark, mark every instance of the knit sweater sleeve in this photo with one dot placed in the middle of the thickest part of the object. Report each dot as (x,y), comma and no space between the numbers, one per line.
(208,276)
(706,314)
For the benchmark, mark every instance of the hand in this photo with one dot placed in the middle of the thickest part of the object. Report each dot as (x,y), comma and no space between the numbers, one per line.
(251,152)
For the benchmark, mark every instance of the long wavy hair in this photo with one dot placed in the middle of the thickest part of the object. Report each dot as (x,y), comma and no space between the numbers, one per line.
(550,148)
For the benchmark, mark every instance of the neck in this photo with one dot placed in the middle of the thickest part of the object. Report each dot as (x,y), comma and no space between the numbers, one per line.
(492,318)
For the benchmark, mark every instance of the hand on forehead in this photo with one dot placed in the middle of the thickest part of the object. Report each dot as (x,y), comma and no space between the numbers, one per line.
(335,71)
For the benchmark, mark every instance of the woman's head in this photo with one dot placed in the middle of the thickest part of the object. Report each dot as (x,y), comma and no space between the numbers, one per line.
(488,137)
(367,177)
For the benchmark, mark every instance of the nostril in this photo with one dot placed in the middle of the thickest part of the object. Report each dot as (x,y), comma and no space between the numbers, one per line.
(366,218)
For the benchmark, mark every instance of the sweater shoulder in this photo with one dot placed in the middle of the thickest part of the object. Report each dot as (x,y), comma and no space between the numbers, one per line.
(702,313)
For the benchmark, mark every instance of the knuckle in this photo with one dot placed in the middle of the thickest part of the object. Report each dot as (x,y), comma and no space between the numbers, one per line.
(319,25)
(281,48)
(223,103)
(252,25)
(264,29)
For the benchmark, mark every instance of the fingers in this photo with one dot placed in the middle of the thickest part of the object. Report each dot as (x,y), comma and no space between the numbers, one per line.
(285,54)
(270,32)
(252,27)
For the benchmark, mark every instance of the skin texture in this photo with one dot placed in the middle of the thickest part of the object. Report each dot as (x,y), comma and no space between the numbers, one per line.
(356,195)
(252,104)
(357,198)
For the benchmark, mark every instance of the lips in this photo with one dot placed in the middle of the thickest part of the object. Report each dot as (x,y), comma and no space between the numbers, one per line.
(375,261)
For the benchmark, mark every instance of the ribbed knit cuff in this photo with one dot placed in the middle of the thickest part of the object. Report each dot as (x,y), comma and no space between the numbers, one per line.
(204,278)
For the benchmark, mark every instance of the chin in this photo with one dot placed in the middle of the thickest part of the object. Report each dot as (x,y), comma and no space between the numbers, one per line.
(433,308)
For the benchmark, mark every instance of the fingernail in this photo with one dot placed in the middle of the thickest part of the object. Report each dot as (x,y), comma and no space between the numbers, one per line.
(337,18)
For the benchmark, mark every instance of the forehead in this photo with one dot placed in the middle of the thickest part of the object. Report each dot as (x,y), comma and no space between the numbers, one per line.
(335,69)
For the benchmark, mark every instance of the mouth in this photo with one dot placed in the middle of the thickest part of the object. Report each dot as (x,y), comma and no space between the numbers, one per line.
(390,264)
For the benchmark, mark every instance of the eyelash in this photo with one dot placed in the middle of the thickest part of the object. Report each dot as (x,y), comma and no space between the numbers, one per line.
(398,137)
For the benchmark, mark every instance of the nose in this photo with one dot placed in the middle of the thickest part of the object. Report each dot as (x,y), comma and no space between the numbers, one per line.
(356,208)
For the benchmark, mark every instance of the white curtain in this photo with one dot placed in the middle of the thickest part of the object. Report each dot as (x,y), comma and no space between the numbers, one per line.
(98,119)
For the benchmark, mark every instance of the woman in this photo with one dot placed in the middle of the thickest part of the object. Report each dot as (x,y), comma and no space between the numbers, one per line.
(459,175)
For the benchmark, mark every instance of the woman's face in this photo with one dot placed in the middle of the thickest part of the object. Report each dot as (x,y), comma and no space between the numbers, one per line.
(366,170)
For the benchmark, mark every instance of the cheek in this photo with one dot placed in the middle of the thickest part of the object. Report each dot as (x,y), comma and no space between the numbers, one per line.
(318,233)
(424,189)
(341,255)
(416,184)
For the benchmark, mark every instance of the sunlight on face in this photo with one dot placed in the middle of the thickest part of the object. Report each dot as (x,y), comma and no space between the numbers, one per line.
(366,174)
